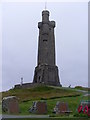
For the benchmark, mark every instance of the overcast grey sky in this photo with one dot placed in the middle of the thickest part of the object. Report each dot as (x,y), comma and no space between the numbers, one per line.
(20,41)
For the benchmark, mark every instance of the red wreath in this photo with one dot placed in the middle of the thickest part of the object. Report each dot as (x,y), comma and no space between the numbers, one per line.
(80,108)
(85,109)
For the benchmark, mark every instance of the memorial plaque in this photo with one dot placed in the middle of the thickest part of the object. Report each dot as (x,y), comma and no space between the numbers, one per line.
(38,108)
(10,105)
(41,108)
(61,107)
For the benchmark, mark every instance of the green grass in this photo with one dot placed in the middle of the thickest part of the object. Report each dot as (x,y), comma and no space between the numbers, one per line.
(82,88)
(73,103)
(49,94)
(40,92)
(49,119)
(0,109)
(0,103)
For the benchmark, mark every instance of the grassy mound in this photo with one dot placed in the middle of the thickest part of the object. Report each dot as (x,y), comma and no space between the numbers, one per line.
(50,94)
(82,88)
(41,92)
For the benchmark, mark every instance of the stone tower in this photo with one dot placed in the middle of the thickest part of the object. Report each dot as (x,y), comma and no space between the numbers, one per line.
(46,71)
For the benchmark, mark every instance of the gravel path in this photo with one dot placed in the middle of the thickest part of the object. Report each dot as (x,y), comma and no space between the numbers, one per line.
(25,116)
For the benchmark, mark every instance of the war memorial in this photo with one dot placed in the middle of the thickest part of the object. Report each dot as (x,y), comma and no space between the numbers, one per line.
(45,97)
(46,71)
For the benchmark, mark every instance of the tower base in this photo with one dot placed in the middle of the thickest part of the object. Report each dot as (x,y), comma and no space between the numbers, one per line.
(47,75)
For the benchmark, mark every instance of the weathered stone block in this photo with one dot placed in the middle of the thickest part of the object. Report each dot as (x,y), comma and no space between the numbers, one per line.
(10,104)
